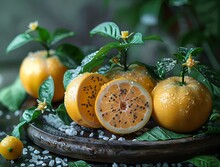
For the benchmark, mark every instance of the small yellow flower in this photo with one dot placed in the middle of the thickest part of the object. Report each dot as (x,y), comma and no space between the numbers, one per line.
(33,26)
(124,34)
(42,105)
(190,62)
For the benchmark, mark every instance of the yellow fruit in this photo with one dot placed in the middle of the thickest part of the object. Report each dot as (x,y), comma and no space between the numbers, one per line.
(181,108)
(123,106)
(80,98)
(11,148)
(135,73)
(36,68)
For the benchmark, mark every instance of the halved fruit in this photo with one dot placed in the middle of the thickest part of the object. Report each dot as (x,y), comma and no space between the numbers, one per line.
(123,106)
(80,98)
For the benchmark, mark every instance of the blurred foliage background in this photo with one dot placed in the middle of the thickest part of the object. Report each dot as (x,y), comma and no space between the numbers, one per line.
(187,23)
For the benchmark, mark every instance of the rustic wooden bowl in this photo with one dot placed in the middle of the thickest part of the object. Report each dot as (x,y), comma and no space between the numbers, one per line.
(128,151)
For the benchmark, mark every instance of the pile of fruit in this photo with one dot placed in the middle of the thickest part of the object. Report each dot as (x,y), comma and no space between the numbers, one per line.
(103,90)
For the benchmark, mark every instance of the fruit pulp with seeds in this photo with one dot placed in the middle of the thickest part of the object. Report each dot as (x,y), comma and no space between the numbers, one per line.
(80,98)
(123,106)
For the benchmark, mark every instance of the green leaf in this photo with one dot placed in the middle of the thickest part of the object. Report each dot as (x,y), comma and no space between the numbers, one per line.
(152,70)
(183,50)
(204,161)
(108,29)
(17,129)
(70,75)
(152,37)
(79,163)
(165,65)
(70,55)
(136,39)
(210,75)
(46,90)
(60,34)
(30,114)
(214,116)
(93,60)
(44,35)
(193,52)
(13,96)
(19,41)
(180,58)
(63,115)
(159,133)
(212,129)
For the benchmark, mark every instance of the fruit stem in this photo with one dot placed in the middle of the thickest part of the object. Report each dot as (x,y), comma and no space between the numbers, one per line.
(124,58)
(183,72)
(47,48)
(10,149)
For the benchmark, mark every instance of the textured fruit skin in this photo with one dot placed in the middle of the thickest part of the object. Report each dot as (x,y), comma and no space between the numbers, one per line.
(181,108)
(123,106)
(13,143)
(135,73)
(79,99)
(36,68)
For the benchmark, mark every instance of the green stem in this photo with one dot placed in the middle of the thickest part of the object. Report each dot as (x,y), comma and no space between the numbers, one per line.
(47,48)
(124,58)
(183,72)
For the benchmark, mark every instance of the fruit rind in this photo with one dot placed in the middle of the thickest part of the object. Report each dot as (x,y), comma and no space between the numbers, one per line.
(181,108)
(11,148)
(79,103)
(135,72)
(36,68)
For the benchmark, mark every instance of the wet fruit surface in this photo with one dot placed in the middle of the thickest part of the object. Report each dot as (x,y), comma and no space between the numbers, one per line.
(11,148)
(181,108)
(123,106)
(80,98)
(135,73)
(36,68)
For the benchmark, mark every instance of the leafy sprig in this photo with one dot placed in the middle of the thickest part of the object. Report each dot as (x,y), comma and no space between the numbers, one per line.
(13,95)
(122,42)
(46,93)
(69,54)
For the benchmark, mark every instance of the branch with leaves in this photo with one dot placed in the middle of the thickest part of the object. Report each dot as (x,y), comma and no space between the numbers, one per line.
(69,54)
(46,93)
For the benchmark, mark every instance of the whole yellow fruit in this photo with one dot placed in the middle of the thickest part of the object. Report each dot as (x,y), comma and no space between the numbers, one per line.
(11,148)
(37,67)
(181,108)
(135,73)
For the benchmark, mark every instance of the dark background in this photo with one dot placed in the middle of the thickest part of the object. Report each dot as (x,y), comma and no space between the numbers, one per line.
(178,22)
